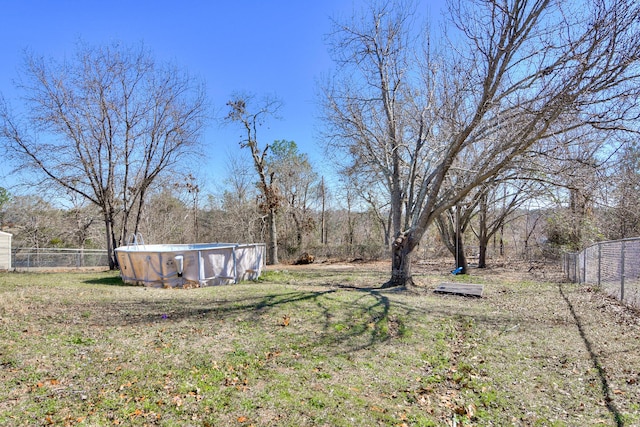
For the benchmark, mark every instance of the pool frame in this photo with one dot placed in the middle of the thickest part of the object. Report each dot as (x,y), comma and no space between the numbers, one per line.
(190,265)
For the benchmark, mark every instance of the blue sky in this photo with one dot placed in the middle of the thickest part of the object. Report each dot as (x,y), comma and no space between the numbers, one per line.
(261,47)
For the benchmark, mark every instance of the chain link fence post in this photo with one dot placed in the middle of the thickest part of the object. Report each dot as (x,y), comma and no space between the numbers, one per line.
(622,268)
(599,265)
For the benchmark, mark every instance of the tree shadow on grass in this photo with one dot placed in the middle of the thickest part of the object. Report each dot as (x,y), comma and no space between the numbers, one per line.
(377,311)
(604,383)
(320,318)
(110,281)
(145,311)
(360,319)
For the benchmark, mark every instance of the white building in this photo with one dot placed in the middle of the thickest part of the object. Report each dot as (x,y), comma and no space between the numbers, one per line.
(5,251)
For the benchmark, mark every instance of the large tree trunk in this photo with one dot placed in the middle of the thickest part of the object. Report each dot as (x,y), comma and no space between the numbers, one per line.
(452,234)
(401,251)
(299,230)
(111,242)
(272,256)
(482,254)
(483,239)
(461,259)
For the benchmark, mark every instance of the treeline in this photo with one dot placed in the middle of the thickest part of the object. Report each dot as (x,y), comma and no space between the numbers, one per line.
(539,225)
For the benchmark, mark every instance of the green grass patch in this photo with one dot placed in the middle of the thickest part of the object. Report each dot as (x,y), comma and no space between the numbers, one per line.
(310,348)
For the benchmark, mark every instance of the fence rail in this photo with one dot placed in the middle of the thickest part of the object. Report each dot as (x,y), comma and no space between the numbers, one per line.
(58,257)
(613,266)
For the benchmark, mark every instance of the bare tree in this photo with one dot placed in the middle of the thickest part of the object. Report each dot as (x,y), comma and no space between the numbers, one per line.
(241,219)
(35,222)
(623,214)
(573,171)
(106,124)
(452,225)
(240,111)
(514,73)
(375,196)
(322,195)
(367,104)
(83,216)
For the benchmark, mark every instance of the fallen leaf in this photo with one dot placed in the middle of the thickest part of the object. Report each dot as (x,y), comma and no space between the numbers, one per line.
(471,410)
(242,419)
(126,385)
(460,410)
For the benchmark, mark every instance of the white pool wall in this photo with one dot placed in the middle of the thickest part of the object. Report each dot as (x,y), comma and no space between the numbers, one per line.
(201,264)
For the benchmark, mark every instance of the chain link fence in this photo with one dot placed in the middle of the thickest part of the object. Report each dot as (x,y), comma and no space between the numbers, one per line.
(614,266)
(58,258)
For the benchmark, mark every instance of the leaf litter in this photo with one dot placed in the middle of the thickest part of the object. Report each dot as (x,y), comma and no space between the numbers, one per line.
(341,351)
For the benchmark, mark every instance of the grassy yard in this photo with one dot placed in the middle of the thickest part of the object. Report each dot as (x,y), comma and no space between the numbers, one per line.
(314,347)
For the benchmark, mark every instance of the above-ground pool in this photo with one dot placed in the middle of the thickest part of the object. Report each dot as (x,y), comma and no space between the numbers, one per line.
(201,264)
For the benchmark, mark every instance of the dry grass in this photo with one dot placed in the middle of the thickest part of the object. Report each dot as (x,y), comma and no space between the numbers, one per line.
(316,345)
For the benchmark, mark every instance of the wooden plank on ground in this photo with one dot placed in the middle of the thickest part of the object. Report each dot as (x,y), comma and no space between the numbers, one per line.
(469,289)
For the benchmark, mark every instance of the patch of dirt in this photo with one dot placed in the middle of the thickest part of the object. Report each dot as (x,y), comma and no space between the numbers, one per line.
(500,269)
(335,265)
